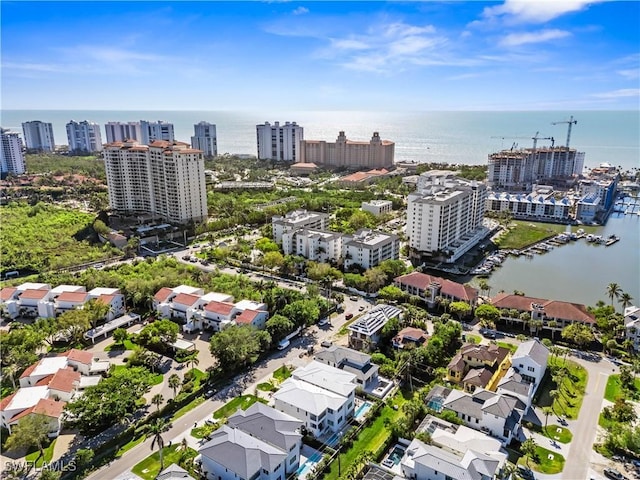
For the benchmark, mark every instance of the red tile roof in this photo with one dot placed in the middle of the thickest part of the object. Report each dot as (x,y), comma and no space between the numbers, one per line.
(247,316)
(106,299)
(29,370)
(7,293)
(65,380)
(45,406)
(411,334)
(33,294)
(185,299)
(163,294)
(73,297)
(222,308)
(553,308)
(79,356)
(44,381)
(422,281)
(4,403)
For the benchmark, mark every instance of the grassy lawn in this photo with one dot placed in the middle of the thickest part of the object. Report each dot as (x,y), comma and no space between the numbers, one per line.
(604,422)
(509,346)
(149,468)
(282,373)
(197,377)
(188,407)
(542,463)
(556,432)
(128,446)
(204,430)
(371,438)
(243,402)
(154,378)
(570,394)
(126,345)
(266,387)
(471,338)
(614,388)
(48,455)
(522,233)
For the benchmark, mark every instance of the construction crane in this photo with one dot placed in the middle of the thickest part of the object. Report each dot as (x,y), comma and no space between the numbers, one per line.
(571,122)
(535,139)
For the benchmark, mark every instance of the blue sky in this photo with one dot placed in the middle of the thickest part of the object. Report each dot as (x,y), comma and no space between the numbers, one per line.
(288,56)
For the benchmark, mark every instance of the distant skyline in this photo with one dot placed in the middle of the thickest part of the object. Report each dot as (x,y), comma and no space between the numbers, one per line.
(293,56)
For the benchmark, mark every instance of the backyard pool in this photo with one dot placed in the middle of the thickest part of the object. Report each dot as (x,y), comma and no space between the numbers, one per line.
(362,410)
(394,457)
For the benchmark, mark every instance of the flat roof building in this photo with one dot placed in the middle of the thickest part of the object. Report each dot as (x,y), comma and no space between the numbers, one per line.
(376,153)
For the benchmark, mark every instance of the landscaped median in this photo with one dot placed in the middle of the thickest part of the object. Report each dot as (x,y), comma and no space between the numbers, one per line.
(543,461)
(563,387)
(149,468)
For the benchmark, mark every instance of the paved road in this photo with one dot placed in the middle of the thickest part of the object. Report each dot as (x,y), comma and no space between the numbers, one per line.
(244,383)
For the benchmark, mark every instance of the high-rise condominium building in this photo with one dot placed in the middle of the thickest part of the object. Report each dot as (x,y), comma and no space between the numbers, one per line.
(120,132)
(376,153)
(11,158)
(444,215)
(519,170)
(205,139)
(38,136)
(84,137)
(151,131)
(279,142)
(163,178)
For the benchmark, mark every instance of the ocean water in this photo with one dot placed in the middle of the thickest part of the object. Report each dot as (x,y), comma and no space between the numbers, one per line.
(452,137)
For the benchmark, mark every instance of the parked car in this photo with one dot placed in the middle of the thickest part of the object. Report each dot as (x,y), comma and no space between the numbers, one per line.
(353,298)
(323,321)
(361,308)
(614,474)
(348,316)
(283,344)
(526,473)
(326,344)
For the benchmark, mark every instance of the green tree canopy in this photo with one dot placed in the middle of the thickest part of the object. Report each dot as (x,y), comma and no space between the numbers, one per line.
(30,431)
(279,327)
(486,312)
(238,346)
(158,335)
(302,312)
(267,245)
(460,309)
(578,333)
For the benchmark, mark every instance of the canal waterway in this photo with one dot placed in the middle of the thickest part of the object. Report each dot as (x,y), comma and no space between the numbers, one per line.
(578,271)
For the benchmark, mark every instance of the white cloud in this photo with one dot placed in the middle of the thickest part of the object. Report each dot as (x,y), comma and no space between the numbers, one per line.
(629,74)
(534,11)
(350,44)
(621,93)
(300,11)
(517,39)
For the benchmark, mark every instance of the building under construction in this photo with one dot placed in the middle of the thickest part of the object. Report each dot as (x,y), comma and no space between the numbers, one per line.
(519,170)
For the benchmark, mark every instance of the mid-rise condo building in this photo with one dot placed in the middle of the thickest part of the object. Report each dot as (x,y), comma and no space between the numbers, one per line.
(38,136)
(367,248)
(84,137)
(11,157)
(163,178)
(444,215)
(376,153)
(205,139)
(296,220)
(279,142)
(152,131)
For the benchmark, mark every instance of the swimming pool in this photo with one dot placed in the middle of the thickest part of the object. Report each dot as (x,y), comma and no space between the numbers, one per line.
(311,462)
(362,410)
(396,455)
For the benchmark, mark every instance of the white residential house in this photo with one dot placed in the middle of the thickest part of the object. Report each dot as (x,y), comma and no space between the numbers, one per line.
(255,318)
(27,299)
(514,385)
(497,415)
(364,333)
(530,361)
(455,452)
(351,361)
(218,315)
(321,396)
(367,248)
(112,298)
(632,325)
(163,300)
(66,301)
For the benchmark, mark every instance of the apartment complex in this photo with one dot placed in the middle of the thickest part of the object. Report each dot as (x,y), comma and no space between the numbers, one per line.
(296,220)
(431,288)
(84,137)
(163,178)
(367,248)
(279,142)
(445,214)
(540,204)
(204,138)
(152,131)
(518,170)
(11,157)
(597,195)
(376,153)
(38,136)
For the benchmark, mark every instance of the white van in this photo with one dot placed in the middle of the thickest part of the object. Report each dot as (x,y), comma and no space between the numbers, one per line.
(283,344)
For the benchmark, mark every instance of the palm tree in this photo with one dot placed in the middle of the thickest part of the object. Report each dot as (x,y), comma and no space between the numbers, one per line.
(625,300)
(553,394)
(174,383)
(157,400)
(193,359)
(547,411)
(613,291)
(156,429)
(528,448)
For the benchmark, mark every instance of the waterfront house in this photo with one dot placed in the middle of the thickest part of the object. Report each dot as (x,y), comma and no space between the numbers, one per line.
(431,288)
(553,315)
(530,361)
(632,325)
